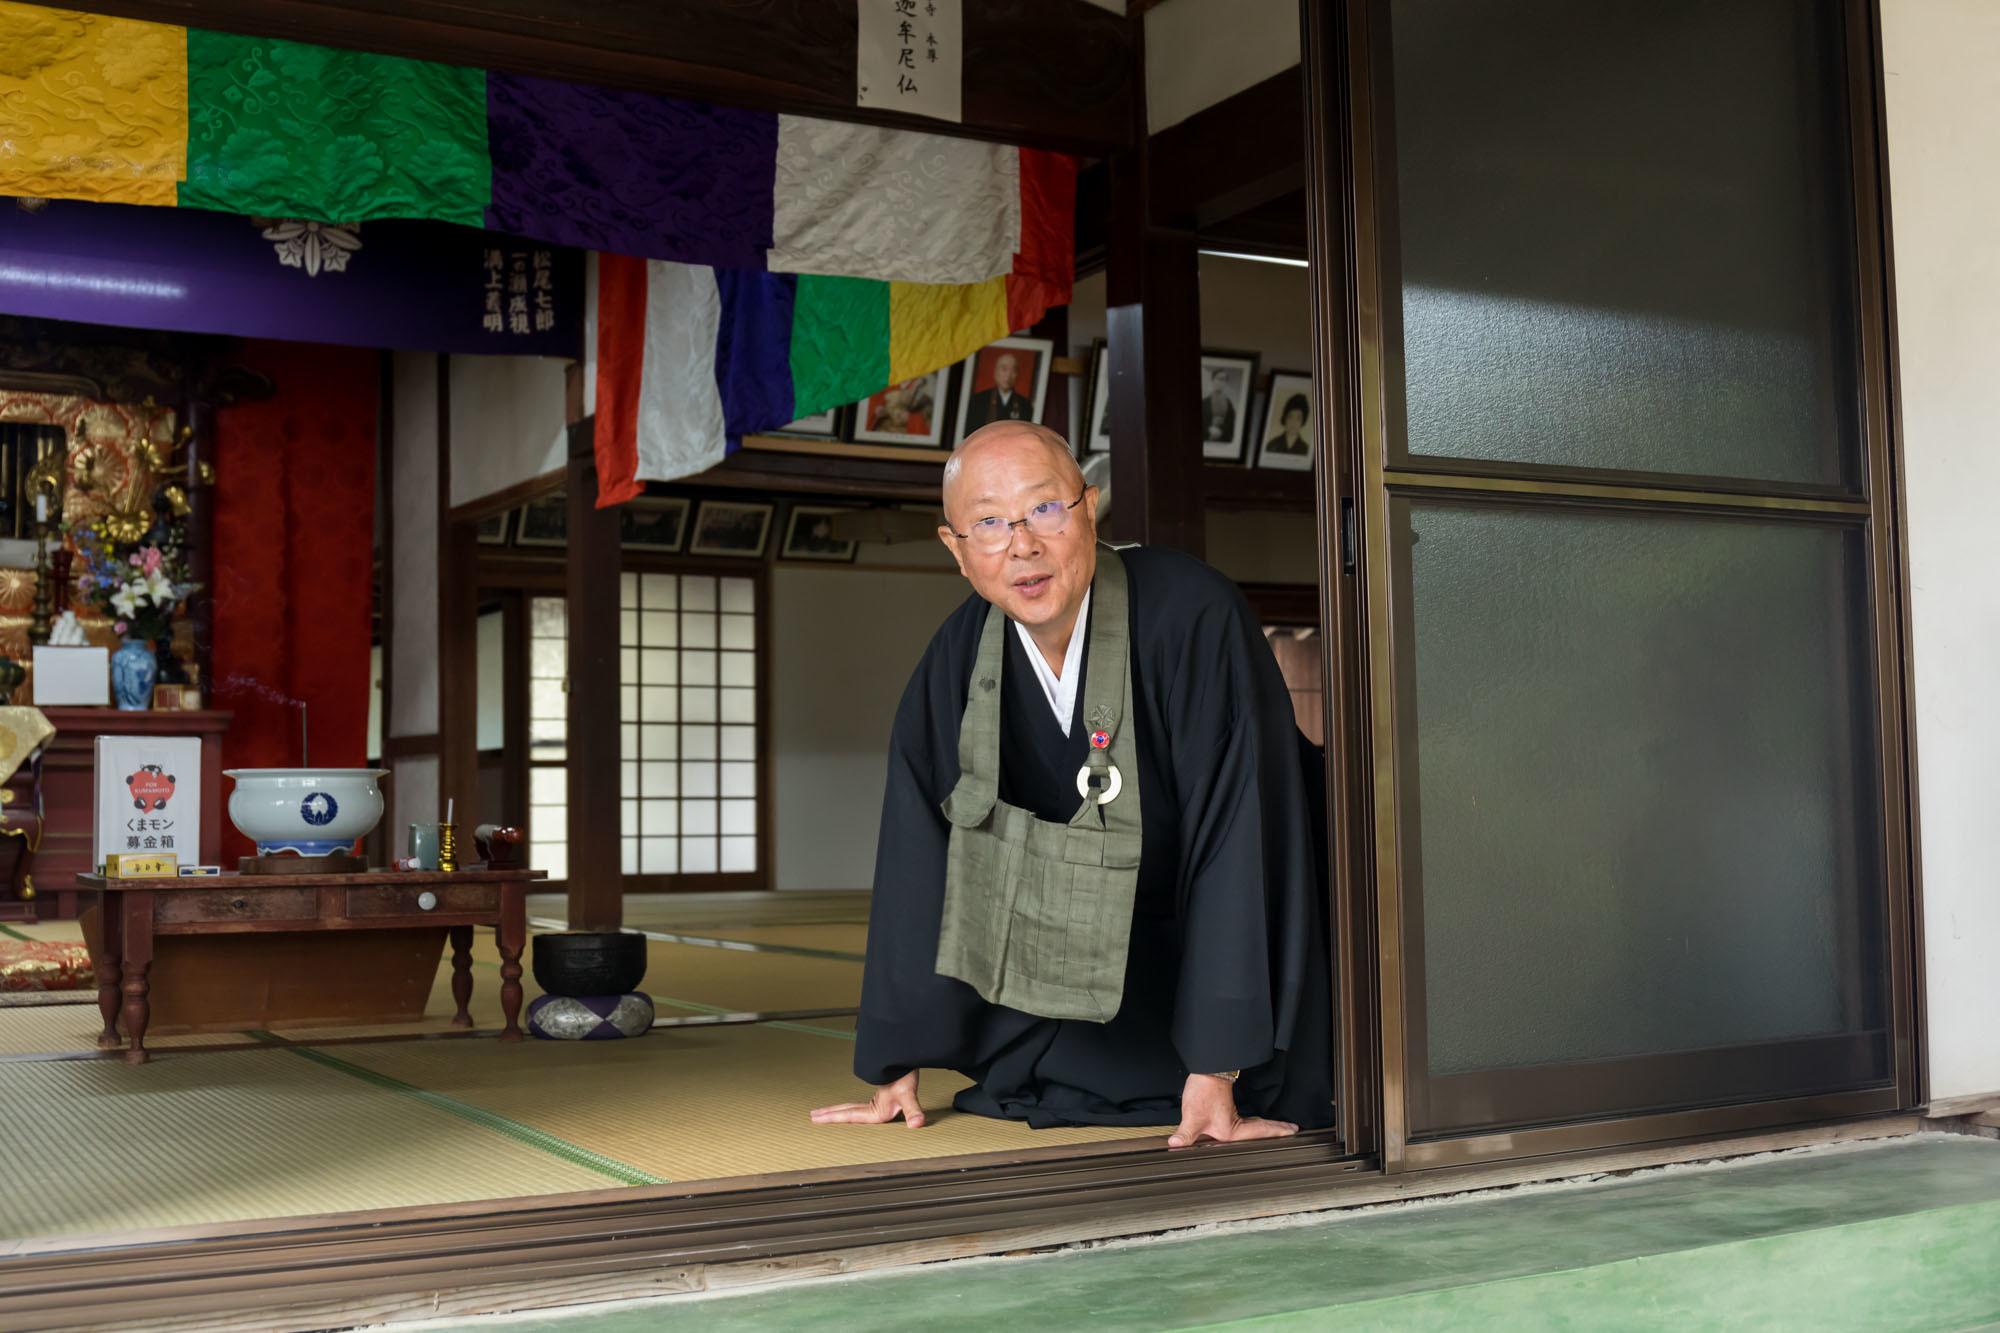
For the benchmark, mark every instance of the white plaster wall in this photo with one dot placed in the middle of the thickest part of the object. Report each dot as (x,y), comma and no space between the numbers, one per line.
(413,559)
(843,642)
(413,798)
(507,422)
(1940,58)
(1200,52)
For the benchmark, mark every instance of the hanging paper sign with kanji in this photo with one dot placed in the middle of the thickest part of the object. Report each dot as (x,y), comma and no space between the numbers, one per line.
(910,57)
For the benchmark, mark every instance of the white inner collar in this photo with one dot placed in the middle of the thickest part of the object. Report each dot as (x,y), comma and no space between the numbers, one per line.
(1060,690)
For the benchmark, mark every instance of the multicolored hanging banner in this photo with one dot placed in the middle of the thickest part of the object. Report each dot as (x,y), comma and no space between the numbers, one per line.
(838,255)
(119,111)
(418,285)
(691,359)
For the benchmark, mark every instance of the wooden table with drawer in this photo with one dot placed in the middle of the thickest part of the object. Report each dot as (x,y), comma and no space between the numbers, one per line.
(137,910)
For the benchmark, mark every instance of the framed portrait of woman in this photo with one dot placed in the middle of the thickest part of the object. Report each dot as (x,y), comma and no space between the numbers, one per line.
(1285,436)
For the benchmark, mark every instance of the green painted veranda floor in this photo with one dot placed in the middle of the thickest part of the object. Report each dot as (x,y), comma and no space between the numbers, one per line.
(1903,1235)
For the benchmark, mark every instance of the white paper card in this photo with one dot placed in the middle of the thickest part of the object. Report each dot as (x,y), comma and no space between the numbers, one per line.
(72,676)
(911,57)
(148,797)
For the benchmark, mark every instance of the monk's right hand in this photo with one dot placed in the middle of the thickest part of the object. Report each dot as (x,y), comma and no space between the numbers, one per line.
(890,1100)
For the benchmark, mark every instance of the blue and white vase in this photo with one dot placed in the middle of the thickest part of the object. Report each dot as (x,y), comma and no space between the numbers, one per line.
(133,671)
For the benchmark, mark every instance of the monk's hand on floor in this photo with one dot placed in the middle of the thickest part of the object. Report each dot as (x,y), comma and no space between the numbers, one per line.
(890,1100)
(1208,1111)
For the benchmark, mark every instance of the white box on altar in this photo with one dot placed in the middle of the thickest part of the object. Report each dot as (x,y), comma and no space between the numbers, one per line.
(80,676)
(148,797)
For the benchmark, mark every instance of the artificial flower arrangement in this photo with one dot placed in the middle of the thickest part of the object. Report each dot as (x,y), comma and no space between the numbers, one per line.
(136,574)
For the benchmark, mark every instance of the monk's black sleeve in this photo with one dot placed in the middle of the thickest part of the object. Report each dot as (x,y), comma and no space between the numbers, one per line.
(1248,866)
(911,1017)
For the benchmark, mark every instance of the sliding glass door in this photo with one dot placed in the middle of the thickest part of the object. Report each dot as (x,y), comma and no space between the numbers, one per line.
(1623,468)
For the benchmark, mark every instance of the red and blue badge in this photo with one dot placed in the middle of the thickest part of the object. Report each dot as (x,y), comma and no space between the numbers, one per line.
(1100,740)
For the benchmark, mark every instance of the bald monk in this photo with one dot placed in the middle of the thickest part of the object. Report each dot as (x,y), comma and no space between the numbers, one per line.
(1098,886)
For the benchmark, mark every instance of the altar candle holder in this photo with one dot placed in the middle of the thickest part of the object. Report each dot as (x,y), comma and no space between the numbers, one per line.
(447,847)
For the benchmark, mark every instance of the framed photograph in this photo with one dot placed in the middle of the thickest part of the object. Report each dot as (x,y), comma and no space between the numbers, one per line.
(1285,435)
(1226,378)
(809,536)
(1003,381)
(908,413)
(494,529)
(654,523)
(731,527)
(1097,412)
(543,522)
(820,426)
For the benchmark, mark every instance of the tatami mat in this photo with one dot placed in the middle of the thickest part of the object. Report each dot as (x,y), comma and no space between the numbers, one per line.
(849,938)
(93,1146)
(41,930)
(53,1028)
(683,979)
(702,1103)
(97,1146)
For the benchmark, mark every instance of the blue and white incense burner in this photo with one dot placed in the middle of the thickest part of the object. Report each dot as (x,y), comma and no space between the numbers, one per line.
(306,811)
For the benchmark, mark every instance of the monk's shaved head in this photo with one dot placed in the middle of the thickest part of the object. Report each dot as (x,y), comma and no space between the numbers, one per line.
(1011,437)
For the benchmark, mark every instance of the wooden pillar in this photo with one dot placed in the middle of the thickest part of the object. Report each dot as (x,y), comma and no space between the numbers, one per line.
(592,566)
(458,644)
(1153,331)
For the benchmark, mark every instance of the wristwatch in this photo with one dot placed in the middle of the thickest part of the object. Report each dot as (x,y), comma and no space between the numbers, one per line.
(1228,1076)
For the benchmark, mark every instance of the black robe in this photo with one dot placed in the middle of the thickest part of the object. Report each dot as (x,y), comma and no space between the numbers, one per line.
(1228,961)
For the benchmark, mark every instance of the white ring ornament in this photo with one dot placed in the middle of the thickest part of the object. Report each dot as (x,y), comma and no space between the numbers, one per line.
(1110,792)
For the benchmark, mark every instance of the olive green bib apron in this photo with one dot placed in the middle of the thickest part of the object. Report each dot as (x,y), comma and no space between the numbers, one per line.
(1038,916)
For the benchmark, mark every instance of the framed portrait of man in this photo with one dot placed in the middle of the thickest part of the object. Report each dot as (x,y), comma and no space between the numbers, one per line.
(494,529)
(543,521)
(731,527)
(1226,378)
(819,426)
(911,412)
(1097,438)
(809,536)
(1003,381)
(653,523)
(1285,436)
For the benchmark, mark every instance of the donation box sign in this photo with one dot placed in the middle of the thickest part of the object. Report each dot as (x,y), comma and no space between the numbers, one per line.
(148,797)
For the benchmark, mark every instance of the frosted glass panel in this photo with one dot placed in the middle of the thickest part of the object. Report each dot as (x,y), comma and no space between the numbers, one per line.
(739,817)
(697,742)
(739,632)
(1644,817)
(739,779)
(739,669)
(739,742)
(739,595)
(1623,235)
(698,856)
(697,817)
(698,593)
(658,856)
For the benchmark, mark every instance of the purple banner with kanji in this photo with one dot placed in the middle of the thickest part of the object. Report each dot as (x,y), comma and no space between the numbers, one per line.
(426,286)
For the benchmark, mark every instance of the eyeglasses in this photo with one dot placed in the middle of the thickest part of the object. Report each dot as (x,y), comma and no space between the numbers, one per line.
(1047,519)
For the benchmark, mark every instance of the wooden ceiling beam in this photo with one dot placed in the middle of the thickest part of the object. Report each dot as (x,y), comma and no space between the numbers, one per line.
(1045,73)
(1243,152)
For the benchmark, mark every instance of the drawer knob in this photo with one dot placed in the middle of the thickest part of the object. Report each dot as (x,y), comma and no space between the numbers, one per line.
(238,903)
(427,900)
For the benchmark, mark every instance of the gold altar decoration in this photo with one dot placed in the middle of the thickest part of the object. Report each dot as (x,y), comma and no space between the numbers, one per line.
(109,471)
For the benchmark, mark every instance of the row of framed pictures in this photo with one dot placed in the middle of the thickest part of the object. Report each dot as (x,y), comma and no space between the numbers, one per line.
(1003,381)
(737,529)
(1281,414)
